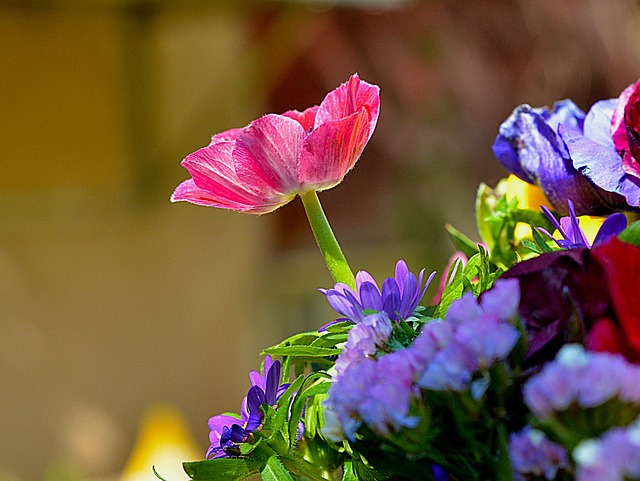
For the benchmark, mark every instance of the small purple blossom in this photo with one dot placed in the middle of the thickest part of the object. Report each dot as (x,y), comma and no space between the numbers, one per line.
(399,297)
(479,333)
(377,393)
(532,453)
(363,341)
(227,431)
(614,456)
(586,379)
(572,235)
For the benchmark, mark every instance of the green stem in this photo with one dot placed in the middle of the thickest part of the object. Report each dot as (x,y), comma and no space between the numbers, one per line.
(326,241)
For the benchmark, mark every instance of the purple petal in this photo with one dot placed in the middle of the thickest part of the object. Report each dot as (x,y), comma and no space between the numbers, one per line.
(370,296)
(611,227)
(401,274)
(391,298)
(408,295)
(273,380)
(603,166)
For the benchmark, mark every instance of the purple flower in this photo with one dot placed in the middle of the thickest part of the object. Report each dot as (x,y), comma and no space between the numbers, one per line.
(531,145)
(377,393)
(475,334)
(227,431)
(574,237)
(582,379)
(399,297)
(363,341)
(532,453)
(613,456)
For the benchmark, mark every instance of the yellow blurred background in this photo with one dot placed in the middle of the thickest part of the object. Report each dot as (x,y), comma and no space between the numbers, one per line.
(112,299)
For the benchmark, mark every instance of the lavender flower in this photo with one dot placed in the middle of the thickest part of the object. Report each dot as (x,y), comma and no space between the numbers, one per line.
(573,235)
(227,431)
(364,340)
(375,392)
(479,334)
(532,453)
(399,297)
(584,379)
(614,456)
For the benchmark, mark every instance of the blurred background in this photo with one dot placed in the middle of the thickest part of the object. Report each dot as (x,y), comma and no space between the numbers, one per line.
(112,299)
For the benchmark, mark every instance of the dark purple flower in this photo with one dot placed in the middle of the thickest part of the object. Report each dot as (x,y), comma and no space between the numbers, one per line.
(229,430)
(399,297)
(530,145)
(581,295)
(574,237)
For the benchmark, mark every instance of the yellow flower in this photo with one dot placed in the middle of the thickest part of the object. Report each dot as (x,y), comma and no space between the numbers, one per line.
(163,442)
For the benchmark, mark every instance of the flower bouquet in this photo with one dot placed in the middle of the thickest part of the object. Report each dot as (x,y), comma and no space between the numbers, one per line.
(525,363)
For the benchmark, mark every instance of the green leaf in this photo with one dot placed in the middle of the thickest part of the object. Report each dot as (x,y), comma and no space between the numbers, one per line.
(275,471)
(223,469)
(541,241)
(631,235)
(302,351)
(461,241)
(531,246)
(452,290)
(157,474)
(348,471)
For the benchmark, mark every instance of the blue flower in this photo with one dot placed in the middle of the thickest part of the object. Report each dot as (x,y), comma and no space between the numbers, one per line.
(531,145)
(399,297)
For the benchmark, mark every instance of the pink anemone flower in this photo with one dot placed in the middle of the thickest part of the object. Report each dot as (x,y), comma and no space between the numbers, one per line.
(260,167)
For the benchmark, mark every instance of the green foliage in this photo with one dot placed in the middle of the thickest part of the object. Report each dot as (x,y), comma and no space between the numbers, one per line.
(631,235)
(477,276)
(497,219)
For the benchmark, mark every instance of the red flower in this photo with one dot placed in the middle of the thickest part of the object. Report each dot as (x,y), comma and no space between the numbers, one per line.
(621,264)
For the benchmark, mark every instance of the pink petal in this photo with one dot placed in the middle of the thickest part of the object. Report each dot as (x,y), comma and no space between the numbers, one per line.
(332,149)
(215,183)
(618,129)
(267,154)
(227,135)
(306,118)
(188,191)
(348,98)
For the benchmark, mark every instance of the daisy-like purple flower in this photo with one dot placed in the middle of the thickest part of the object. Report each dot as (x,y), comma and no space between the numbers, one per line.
(227,431)
(573,235)
(399,296)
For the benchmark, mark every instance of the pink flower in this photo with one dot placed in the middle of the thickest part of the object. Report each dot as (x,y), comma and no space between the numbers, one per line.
(260,167)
